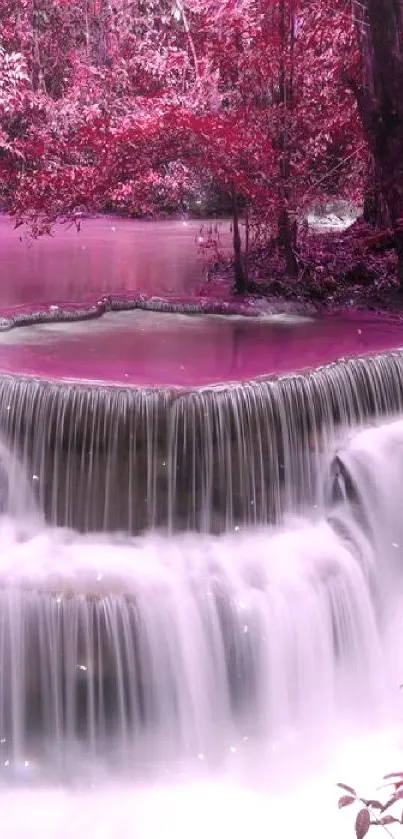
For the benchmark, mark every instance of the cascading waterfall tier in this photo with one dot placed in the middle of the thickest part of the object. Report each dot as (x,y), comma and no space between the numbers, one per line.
(140,650)
(115,458)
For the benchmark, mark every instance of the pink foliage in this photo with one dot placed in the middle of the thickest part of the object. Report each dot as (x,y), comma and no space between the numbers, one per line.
(131,106)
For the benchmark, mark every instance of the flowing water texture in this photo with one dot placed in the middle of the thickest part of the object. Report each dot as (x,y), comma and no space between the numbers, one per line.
(107,459)
(185,639)
(224,668)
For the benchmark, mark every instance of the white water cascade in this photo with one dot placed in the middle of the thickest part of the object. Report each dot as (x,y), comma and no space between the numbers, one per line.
(148,651)
(228,667)
(254,650)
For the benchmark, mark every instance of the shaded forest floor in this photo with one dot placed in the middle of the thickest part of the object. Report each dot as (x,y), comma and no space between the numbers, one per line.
(355,267)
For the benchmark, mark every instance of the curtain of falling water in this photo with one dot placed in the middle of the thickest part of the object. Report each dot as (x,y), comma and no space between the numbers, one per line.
(136,650)
(155,649)
(125,459)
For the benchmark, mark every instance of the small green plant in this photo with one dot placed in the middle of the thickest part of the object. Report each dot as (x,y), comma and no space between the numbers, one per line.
(373,813)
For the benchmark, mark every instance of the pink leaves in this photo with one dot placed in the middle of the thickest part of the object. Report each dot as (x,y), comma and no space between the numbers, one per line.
(346,800)
(362,823)
(373,811)
(396,796)
(385,820)
(143,89)
(14,81)
(348,789)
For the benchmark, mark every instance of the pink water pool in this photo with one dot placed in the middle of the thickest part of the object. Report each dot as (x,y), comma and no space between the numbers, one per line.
(108,255)
(156,349)
(126,259)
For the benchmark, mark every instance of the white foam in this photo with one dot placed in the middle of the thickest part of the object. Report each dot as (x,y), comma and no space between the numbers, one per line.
(263,658)
(210,807)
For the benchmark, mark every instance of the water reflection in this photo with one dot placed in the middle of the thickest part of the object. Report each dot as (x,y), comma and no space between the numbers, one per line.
(150,348)
(107,255)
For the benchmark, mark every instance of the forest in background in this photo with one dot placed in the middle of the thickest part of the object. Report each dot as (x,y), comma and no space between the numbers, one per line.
(260,109)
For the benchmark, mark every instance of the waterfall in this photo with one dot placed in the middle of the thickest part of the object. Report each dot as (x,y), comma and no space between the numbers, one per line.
(125,459)
(192,575)
(152,649)
(16,493)
(139,651)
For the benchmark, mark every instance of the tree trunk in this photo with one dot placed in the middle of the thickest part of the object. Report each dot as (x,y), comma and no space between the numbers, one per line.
(240,278)
(380,104)
(285,229)
(376,212)
(394,199)
(286,242)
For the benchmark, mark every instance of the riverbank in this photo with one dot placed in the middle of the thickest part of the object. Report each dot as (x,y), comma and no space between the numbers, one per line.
(110,264)
(355,268)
